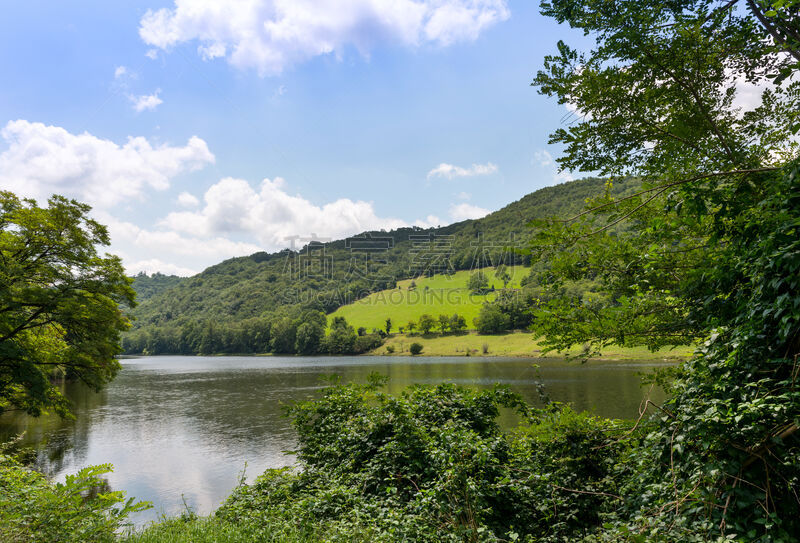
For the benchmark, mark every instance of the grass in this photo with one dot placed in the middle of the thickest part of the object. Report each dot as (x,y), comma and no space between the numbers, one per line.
(437,295)
(511,344)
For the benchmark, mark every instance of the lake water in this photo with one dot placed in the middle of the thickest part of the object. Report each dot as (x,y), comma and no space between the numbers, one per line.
(182,428)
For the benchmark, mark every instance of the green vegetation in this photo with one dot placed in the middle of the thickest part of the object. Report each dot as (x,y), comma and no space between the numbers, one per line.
(59,303)
(514,344)
(436,295)
(147,286)
(429,465)
(415,348)
(81,509)
(234,302)
(707,251)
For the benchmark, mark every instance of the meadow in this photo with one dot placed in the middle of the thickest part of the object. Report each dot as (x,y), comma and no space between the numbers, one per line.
(435,295)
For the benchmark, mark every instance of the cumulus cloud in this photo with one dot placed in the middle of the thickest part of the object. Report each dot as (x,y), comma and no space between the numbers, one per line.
(41,160)
(270,35)
(464,211)
(449,171)
(120,71)
(151,250)
(146,101)
(271,215)
(187,200)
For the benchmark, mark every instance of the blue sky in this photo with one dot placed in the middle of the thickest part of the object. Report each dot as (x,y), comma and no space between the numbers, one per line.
(205,129)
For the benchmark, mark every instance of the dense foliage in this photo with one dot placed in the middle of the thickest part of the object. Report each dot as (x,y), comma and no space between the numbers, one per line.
(433,465)
(60,312)
(80,509)
(708,252)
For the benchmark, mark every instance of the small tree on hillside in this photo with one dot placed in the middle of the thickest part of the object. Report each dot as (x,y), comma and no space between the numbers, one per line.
(444,323)
(388,326)
(410,326)
(457,323)
(478,283)
(426,323)
(501,274)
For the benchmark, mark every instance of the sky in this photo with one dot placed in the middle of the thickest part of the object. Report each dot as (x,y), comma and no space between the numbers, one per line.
(201,130)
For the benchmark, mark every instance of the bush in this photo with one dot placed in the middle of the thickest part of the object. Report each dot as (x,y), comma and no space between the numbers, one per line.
(492,320)
(367,343)
(390,349)
(80,509)
(415,348)
(433,465)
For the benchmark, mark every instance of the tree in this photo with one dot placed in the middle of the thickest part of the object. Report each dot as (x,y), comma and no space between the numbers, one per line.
(342,337)
(60,302)
(478,283)
(283,336)
(388,326)
(444,323)
(704,252)
(426,323)
(501,273)
(492,320)
(458,323)
(309,338)
(415,348)
(410,326)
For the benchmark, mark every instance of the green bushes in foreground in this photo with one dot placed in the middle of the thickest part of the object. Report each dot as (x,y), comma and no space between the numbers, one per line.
(80,509)
(429,465)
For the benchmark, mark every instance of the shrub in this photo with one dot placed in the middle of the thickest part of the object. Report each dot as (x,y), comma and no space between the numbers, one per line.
(491,320)
(390,349)
(415,348)
(80,509)
(433,465)
(367,343)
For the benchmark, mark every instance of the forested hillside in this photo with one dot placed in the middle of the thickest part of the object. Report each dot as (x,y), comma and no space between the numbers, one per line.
(233,304)
(147,286)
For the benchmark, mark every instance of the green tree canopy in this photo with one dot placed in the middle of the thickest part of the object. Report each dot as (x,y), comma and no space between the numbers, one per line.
(60,301)
(705,252)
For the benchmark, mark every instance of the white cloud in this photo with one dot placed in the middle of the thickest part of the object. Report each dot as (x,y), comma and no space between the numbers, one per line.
(544,159)
(168,251)
(271,35)
(187,200)
(450,171)
(121,71)
(464,211)
(152,54)
(146,101)
(41,160)
(464,196)
(271,215)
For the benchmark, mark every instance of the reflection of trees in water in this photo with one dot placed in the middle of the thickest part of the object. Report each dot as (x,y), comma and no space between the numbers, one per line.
(56,442)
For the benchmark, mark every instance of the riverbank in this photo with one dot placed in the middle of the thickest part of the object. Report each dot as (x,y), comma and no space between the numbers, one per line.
(516,344)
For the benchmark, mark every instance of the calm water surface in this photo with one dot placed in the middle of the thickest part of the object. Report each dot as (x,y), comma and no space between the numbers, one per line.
(182,428)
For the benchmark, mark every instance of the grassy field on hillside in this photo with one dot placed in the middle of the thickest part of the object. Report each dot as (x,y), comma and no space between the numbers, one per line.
(440,294)
(512,344)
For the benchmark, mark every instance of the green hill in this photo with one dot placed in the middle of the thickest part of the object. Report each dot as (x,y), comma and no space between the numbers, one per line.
(437,295)
(231,302)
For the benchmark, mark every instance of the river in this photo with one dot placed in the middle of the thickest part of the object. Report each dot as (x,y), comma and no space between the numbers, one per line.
(181,428)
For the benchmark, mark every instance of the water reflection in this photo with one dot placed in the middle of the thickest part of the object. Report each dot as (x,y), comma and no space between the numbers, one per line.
(186,426)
